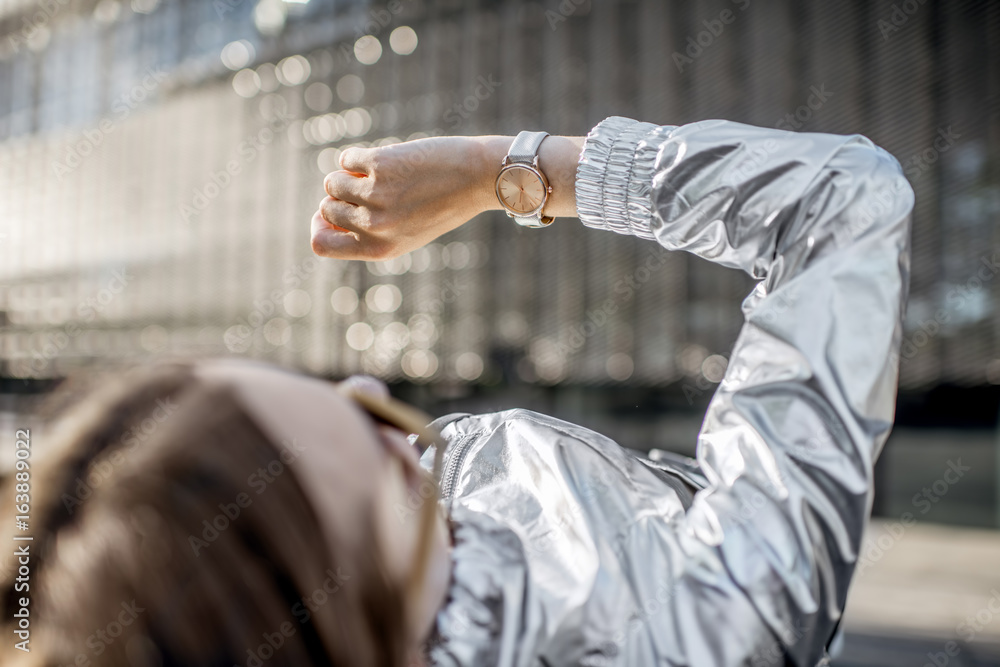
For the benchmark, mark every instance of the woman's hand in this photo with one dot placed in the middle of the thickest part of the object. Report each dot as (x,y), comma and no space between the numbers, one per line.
(391,200)
(388,201)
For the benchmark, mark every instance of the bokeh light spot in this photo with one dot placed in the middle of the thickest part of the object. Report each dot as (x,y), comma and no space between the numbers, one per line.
(403,40)
(368,50)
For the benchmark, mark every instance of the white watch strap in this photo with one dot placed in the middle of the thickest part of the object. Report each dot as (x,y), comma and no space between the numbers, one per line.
(525,146)
(524,150)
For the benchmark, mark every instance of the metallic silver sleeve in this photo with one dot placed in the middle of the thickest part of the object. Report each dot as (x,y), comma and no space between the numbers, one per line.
(569,550)
(790,438)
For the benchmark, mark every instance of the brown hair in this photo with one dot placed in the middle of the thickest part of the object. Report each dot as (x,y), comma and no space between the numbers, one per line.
(139,560)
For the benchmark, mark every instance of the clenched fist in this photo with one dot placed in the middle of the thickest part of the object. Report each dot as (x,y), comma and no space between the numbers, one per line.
(388,201)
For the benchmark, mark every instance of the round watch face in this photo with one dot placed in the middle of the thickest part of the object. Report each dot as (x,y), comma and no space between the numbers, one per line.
(521,190)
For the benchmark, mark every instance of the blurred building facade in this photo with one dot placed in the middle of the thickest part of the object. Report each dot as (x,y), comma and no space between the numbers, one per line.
(198,184)
(160,161)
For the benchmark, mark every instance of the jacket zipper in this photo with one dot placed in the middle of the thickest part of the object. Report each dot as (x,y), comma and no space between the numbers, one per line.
(453,466)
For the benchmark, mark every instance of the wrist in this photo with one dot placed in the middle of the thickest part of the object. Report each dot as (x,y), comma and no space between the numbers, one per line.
(558,158)
(491,150)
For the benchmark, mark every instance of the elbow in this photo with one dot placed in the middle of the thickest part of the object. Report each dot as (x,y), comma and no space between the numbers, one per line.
(881,199)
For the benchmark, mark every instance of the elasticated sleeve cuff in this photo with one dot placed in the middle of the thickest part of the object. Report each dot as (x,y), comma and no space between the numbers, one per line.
(614,179)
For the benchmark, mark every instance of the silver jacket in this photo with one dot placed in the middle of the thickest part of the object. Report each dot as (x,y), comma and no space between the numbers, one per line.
(570,550)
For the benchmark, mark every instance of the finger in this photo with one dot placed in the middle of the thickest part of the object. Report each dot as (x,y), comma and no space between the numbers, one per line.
(359,160)
(342,215)
(347,186)
(368,384)
(397,442)
(335,242)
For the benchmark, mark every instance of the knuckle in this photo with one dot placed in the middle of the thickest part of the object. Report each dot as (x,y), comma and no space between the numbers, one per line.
(373,195)
(327,210)
(374,158)
(376,220)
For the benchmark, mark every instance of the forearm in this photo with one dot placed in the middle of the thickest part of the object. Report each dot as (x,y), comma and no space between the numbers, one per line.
(557,159)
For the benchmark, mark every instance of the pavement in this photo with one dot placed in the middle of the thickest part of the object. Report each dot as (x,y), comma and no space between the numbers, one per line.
(924,594)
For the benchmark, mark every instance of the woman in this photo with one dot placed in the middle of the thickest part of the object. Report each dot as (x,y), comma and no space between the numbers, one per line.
(563,549)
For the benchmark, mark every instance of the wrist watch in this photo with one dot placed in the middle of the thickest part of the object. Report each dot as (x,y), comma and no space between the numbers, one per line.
(521,186)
